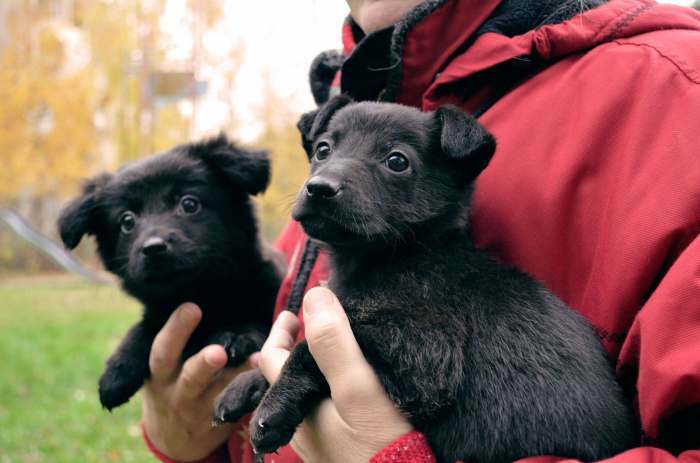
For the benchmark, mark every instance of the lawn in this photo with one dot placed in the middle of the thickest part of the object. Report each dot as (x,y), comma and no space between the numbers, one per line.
(55,334)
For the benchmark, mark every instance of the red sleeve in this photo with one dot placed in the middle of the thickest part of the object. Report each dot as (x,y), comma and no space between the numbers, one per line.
(663,346)
(409,448)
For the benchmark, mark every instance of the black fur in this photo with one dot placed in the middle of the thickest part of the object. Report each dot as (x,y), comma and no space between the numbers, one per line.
(480,357)
(211,255)
(312,123)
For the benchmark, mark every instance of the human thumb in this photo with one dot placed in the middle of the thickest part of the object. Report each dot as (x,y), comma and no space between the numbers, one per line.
(357,394)
(333,346)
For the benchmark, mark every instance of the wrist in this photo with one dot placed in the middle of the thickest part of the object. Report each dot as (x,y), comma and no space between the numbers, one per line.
(177,440)
(218,455)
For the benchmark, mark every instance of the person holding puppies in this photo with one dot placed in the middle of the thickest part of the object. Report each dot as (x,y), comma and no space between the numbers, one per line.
(594,190)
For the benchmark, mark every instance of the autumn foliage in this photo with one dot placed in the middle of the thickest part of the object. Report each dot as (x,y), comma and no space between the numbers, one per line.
(76,83)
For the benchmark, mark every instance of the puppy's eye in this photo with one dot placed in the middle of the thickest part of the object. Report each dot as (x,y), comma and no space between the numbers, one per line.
(397,161)
(323,150)
(127,222)
(189,204)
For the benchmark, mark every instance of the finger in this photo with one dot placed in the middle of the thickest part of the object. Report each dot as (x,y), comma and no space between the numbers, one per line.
(278,345)
(283,332)
(198,372)
(254,359)
(170,341)
(335,349)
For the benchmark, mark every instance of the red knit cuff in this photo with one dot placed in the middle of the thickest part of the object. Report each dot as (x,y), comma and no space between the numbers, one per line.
(220,455)
(411,447)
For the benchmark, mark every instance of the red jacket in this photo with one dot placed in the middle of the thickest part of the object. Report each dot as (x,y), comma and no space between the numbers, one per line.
(594,188)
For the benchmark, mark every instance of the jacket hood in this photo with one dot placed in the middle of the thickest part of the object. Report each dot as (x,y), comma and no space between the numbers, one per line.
(492,43)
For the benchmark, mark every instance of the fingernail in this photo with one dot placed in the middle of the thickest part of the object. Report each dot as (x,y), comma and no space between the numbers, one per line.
(213,358)
(316,300)
(189,312)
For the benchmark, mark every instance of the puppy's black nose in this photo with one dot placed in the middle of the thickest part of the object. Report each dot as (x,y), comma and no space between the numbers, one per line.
(154,246)
(323,188)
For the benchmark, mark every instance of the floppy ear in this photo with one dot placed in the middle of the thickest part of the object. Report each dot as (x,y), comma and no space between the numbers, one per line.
(313,123)
(248,169)
(77,217)
(463,139)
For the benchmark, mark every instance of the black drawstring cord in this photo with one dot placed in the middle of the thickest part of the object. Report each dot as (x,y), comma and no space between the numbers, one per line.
(308,260)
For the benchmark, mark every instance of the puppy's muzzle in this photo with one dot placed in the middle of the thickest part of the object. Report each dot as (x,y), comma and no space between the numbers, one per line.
(323,187)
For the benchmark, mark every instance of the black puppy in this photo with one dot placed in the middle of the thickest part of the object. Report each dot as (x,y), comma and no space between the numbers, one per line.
(484,360)
(180,227)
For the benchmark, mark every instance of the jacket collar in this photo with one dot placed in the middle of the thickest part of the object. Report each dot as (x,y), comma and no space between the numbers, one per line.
(495,57)
(404,58)
(420,59)
(425,41)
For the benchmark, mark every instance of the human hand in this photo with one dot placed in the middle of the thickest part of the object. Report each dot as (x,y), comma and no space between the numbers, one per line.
(178,398)
(359,419)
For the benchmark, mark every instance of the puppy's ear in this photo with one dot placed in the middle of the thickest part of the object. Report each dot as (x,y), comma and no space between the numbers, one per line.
(247,169)
(313,123)
(306,121)
(78,216)
(463,139)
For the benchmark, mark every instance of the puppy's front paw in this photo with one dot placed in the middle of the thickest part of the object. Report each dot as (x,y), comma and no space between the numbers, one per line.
(273,425)
(240,397)
(117,385)
(238,346)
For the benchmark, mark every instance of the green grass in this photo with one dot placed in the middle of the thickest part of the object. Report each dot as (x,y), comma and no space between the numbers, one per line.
(55,334)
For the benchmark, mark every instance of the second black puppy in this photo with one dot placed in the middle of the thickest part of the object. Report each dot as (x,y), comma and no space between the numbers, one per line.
(484,360)
(180,227)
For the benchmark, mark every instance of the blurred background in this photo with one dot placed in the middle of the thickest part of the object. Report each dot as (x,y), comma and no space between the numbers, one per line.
(86,86)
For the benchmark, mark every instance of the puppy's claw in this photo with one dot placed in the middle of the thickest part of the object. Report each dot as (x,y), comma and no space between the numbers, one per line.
(261,424)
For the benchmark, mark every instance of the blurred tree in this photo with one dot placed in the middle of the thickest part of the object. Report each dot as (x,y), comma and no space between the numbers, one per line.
(697,5)
(87,85)
(128,49)
(209,11)
(229,69)
(76,82)
(67,115)
(289,163)
(47,135)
